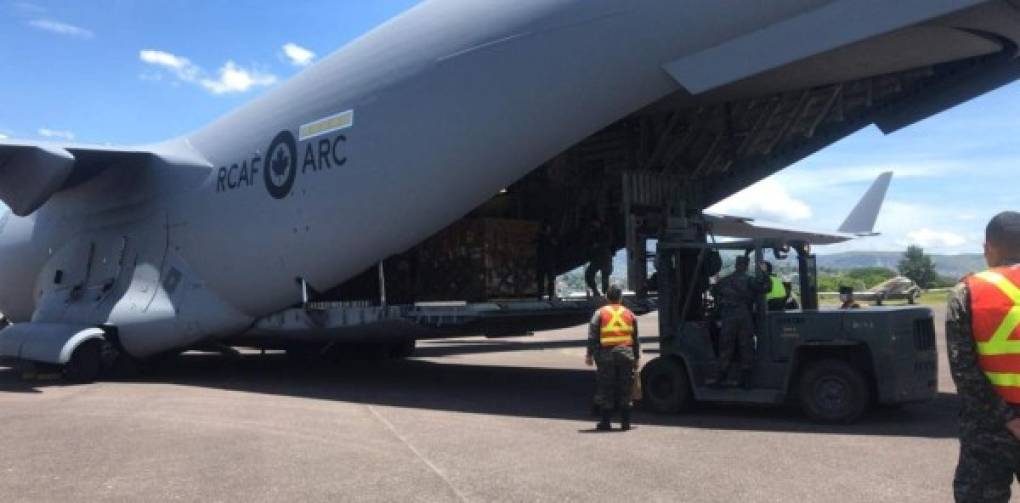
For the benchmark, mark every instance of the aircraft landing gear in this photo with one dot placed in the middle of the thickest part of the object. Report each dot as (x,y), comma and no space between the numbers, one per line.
(301,354)
(85,364)
(403,349)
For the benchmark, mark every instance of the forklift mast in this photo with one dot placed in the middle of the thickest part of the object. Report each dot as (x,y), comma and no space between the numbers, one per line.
(808,281)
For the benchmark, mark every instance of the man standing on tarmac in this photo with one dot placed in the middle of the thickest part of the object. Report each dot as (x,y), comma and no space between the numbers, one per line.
(735,296)
(600,257)
(613,346)
(545,258)
(982,328)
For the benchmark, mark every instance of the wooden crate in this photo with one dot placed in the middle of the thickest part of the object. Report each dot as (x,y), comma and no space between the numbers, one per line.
(478,260)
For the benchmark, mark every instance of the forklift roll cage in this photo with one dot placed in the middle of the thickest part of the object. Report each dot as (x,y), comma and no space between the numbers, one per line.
(834,363)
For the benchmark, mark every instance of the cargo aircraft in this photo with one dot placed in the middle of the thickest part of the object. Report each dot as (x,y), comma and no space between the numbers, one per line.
(514,109)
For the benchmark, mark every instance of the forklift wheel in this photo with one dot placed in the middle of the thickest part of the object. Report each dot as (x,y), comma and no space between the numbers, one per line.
(665,383)
(833,391)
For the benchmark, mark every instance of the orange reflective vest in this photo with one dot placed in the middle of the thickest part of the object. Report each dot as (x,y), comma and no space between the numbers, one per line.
(995,324)
(616,326)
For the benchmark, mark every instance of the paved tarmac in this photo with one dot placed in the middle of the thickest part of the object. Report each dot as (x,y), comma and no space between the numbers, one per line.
(467,420)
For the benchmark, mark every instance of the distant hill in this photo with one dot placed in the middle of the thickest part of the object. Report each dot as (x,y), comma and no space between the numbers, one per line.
(950,266)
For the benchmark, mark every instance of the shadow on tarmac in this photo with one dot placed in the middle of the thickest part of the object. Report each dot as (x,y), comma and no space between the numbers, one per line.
(494,390)
(451,347)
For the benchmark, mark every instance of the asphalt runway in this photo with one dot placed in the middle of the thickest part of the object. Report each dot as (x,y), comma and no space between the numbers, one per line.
(466,420)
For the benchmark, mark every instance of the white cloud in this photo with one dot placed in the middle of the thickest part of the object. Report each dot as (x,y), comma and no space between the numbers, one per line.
(231,77)
(767,200)
(163,58)
(183,67)
(929,238)
(297,55)
(804,177)
(3,136)
(61,28)
(56,133)
(901,224)
(234,79)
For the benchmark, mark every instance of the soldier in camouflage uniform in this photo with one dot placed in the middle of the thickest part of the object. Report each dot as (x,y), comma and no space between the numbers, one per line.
(600,257)
(613,346)
(735,295)
(989,420)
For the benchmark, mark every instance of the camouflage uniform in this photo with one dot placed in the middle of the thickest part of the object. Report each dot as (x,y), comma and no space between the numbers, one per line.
(989,454)
(614,376)
(735,294)
(600,260)
(545,260)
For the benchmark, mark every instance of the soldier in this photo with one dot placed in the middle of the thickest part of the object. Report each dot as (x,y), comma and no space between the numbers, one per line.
(613,346)
(545,258)
(846,297)
(600,257)
(777,294)
(791,301)
(735,295)
(984,357)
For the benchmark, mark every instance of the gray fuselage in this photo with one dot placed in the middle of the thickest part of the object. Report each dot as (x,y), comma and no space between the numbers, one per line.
(449,103)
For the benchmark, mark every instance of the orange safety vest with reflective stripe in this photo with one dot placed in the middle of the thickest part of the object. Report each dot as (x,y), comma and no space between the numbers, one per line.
(616,326)
(995,324)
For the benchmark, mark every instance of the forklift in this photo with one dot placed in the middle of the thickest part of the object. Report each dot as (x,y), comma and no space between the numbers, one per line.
(834,364)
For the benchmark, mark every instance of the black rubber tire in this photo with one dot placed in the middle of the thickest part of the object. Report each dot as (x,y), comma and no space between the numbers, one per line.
(123,367)
(403,349)
(833,391)
(912,298)
(665,387)
(85,364)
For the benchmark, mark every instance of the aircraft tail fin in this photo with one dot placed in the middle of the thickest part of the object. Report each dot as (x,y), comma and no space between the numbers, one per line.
(861,220)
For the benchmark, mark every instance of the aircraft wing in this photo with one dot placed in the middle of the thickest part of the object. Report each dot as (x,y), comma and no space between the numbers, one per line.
(31,172)
(860,222)
(738,227)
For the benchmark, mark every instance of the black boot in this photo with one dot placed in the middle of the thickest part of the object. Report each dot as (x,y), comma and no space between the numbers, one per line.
(625,418)
(604,423)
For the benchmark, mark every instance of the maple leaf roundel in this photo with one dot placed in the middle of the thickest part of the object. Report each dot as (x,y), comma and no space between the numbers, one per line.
(281,165)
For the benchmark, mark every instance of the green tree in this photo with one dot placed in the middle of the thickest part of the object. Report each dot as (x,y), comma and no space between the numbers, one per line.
(860,278)
(574,280)
(829,282)
(870,276)
(918,267)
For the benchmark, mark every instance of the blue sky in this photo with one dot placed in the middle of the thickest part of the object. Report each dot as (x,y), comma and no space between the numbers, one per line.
(953,172)
(126,72)
(78,67)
